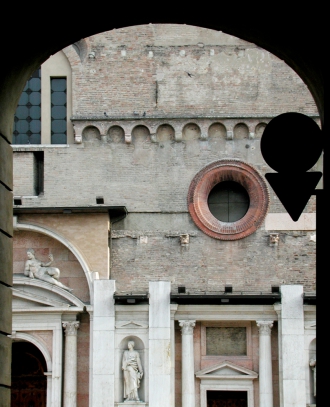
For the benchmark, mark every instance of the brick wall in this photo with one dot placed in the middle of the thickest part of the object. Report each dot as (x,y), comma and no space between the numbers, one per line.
(24,173)
(232,82)
(170,70)
(249,264)
(144,176)
(151,180)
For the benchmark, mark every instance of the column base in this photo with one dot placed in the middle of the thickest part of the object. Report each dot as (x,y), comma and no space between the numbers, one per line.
(132,404)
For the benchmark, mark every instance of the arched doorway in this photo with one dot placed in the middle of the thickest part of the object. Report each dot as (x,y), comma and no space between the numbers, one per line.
(29,383)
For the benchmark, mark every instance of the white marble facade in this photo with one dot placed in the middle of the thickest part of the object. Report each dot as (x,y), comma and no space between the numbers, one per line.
(151,328)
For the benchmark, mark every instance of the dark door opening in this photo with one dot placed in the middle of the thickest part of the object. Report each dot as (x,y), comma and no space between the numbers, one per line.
(226,398)
(29,384)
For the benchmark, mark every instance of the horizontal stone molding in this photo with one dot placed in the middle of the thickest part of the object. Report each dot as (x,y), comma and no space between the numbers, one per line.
(283,221)
(102,127)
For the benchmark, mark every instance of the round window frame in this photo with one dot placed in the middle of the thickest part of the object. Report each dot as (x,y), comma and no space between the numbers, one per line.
(228,170)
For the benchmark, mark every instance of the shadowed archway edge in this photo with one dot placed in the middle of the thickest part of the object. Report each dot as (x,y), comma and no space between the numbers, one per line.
(296,36)
(36,342)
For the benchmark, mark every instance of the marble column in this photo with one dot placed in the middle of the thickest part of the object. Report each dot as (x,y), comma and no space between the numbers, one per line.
(70,364)
(188,368)
(265,364)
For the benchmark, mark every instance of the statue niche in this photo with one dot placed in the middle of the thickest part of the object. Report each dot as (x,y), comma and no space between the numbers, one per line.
(35,268)
(132,372)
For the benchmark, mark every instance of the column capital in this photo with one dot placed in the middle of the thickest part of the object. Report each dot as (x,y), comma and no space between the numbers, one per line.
(265,327)
(187,326)
(70,327)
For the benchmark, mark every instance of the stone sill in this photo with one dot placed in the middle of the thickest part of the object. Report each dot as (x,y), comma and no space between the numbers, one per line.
(37,147)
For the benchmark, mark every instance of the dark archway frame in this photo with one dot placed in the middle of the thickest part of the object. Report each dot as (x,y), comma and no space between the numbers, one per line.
(228,170)
(296,35)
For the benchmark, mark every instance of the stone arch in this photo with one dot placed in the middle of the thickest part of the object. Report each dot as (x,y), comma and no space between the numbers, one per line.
(241,131)
(58,65)
(260,127)
(191,131)
(48,232)
(72,54)
(139,343)
(165,132)
(312,347)
(116,134)
(20,65)
(217,130)
(35,341)
(140,134)
(32,379)
(91,134)
(81,48)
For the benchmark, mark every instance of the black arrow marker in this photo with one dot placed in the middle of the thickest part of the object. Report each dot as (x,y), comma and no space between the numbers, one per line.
(291,144)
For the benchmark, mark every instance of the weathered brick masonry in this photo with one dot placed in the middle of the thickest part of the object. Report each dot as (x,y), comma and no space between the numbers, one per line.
(204,100)
(170,70)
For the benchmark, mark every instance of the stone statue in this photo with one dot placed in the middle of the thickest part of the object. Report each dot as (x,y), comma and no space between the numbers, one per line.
(34,268)
(312,364)
(133,372)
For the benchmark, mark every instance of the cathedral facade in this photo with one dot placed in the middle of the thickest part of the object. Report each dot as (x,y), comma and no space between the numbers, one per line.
(153,263)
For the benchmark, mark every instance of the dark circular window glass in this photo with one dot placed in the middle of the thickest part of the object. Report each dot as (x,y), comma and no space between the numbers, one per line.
(228,201)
